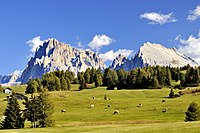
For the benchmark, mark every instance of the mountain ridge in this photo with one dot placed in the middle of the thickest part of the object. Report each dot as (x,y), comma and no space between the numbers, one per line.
(152,54)
(54,55)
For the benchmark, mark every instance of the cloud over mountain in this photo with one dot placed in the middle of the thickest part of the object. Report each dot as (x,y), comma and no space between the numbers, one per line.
(100,40)
(156,18)
(35,43)
(111,55)
(190,46)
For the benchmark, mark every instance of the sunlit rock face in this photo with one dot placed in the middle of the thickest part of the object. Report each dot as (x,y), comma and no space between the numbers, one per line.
(154,54)
(54,55)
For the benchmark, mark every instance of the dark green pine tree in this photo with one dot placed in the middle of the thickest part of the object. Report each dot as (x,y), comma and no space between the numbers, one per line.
(98,79)
(81,81)
(92,74)
(45,110)
(31,111)
(32,86)
(168,77)
(68,83)
(155,83)
(112,79)
(13,116)
(63,84)
(193,112)
(39,110)
(122,77)
(57,84)
(87,75)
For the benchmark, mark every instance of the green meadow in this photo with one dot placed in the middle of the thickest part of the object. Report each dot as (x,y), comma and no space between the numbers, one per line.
(88,111)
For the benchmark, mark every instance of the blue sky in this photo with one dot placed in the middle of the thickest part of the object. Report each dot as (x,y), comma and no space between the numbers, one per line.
(127,23)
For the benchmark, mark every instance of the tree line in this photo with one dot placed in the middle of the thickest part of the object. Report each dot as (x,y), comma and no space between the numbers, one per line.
(150,77)
(53,81)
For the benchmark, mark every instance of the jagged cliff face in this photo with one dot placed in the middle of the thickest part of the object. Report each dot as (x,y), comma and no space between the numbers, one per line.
(118,61)
(156,54)
(54,55)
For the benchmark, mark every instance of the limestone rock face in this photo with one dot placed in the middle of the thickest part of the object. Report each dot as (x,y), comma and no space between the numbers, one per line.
(155,54)
(118,61)
(54,55)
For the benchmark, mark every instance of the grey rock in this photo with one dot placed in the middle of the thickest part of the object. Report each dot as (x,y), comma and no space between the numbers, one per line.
(54,55)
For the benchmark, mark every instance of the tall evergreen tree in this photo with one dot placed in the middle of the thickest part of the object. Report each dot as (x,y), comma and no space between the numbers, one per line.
(98,79)
(81,77)
(68,83)
(63,84)
(105,77)
(45,110)
(81,81)
(155,83)
(92,74)
(32,86)
(131,79)
(13,116)
(122,77)
(168,77)
(39,110)
(112,79)
(56,84)
(87,76)
(31,111)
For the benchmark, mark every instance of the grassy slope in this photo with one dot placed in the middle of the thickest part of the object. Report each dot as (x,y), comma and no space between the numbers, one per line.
(148,118)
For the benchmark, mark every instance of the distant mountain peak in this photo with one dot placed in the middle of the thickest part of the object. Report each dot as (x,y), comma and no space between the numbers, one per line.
(151,54)
(11,79)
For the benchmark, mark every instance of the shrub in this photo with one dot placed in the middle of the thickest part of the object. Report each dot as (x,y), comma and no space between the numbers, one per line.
(193,112)
(171,94)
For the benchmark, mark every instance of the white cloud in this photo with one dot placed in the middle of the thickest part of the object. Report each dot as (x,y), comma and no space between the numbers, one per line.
(156,18)
(194,14)
(111,55)
(190,47)
(35,43)
(100,40)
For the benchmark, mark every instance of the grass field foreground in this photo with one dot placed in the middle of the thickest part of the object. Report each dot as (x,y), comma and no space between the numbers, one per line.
(80,116)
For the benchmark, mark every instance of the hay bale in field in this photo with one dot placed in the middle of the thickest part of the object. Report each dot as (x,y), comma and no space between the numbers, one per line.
(63,110)
(139,105)
(92,106)
(115,112)
(165,110)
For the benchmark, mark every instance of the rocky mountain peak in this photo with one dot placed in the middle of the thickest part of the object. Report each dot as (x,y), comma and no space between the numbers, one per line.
(151,54)
(118,61)
(54,55)
(156,54)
